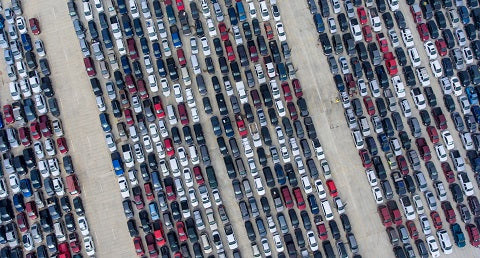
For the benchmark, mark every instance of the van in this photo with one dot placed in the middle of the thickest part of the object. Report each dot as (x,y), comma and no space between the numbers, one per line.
(185,76)
(327,210)
(241,12)
(132,131)
(174,166)
(240,167)
(212,179)
(72,185)
(195,66)
(421,181)
(172,118)
(364,126)
(337,44)
(387,189)
(59,231)
(157,183)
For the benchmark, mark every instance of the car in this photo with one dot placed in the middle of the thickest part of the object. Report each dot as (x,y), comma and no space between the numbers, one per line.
(473,234)
(423,31)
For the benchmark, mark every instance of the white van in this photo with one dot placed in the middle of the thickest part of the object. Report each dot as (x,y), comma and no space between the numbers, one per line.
(179,187)
(186,76)
(120,46)
(195,66)
(172,118)
(132,131)
(59,231)
(174,167)
(364,126)
(193,155)
(327,210)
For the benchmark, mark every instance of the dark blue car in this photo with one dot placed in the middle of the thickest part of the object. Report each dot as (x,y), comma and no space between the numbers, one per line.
(107,40)
(125,65)
(383,139)
(26,187)
(281,178)
(312,202)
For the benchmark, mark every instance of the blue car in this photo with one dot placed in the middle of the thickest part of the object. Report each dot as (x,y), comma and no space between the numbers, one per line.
(282,72)
(105,122)
(464,15)
(171,14)
(127,26)
(476,113)
(383,139)
(312,202)
(241,12)
(177,42)
(157,52)
(125,65)
(281,178)
(18,202)
(317,19)
(233,16)
(144,46)
(153,208)
(26,42)
(26,187)
(472,95)
(107,40)
(122,7)
(161,68)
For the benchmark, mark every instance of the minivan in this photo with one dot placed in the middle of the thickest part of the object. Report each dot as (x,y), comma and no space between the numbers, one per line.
(327,210)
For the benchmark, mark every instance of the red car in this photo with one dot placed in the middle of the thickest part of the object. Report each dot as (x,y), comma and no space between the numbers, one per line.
(63,251)
(137,242)
(35,131)
(423,149)
(169,147)
(158,233)
(287,93)
(384,215)
(423,31)
(24,136)
(449,212)
(132,49)
(297,87)
(89,67)
(62,145)
(181,57)
(141,89)
(182,113)
(180,6)
(433,134)
(256,98)
(412,229)
(439,118)
(230,52)
(45,126)
(402,164)
(448,172)
(292,110)
(129,81)
(367,101)
(223,31)
(138,197)
(34,26)
(197,172)
(366,161)
(169,190)
(74,242)
(158,107)
(332,188)
(287,197)
(391,65)
(367,33)
(441,47)
(473,234)
(151,245)
(394,212)
(148,191)
(297,192)
(22,222)
(382,42)
(242,129)
(252,50)
(268,30)
(362,15)
(437,221)
(128,116)
(8,114)
(322,230)
(182,235)
(31,209)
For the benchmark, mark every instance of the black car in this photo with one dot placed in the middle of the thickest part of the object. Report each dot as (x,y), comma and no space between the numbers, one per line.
(248,112)
(272,44)
(447,66)
(381,107)
(207,105)
(382,76)
(432,29)
(448,37)
(262,46)
(356,67)
(217,45)
(397,121)
(464,78)
(409,75)
(456,192)
(431,98)
(247,31)
(470,31)
(425,116)
(388,20)
(475,46)
(401,57)
(361,51)
(257,31)
(326,45)
(441,20)
(401,23)
(449,103)
(342,22)
(367,69)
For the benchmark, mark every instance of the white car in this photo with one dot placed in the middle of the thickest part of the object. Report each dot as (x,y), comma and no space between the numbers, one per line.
(280,108)
(375,20)
(464,104)
(399,86)
(407,38)
(110,140)
(212,31)
(418,98)
(467,55)
(14,183)
(377,194)
(436,68)
(356,30)
(124,190)
(253,12)
(278,242)
(87,11)
(166,48)
(264,11)
(445,242)
(461,38)
(445,85)
(405,106)
(21,25)
(336,6)
(282,36)
(205,46)
(425,224)
(320,189)
(165,87)
(50,147)
(312,241)
(182,156)
(448,140)
(332,25)
(456,86)
(147,143)
(371,177)
(160,150)
(192,195)
(83,225)
(134,9)
(433,246)
(58,186)
(161,29)
(259,186)
(393,38)
(414,57)
(431,50)
(362,87)
(177,91)
(440,151)
(264,241)
(89,246)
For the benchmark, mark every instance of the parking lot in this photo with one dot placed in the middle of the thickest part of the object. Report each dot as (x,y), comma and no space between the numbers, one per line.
(92,160)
